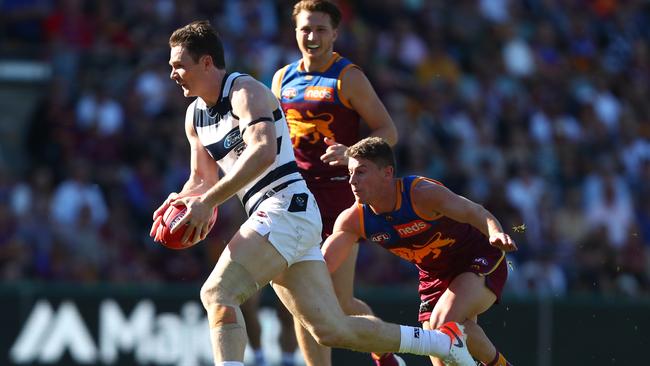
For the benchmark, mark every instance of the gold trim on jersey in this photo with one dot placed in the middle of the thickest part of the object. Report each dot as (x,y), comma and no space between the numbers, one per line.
(399,188)
(335,57)
(361,222)
(277,89)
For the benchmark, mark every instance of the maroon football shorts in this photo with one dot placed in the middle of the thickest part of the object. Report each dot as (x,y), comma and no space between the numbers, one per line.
(480,258)
(332,198)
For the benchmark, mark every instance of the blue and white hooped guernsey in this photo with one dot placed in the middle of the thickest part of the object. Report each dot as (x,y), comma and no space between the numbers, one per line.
(220,132)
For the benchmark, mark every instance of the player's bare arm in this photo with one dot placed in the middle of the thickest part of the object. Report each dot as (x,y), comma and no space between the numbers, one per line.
(432,199)
(357,90)
(203,173)
(203,170)
(250,101)
(346,232)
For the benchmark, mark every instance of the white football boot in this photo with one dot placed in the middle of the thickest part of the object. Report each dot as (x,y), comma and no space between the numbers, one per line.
(458,352)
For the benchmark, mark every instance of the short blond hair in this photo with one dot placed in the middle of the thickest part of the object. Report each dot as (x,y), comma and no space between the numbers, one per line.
(322,6)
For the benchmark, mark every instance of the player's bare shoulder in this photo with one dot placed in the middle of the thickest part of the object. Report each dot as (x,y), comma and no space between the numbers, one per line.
(427,195)
(353,76)
(249,93)
(349,220)
(354,81)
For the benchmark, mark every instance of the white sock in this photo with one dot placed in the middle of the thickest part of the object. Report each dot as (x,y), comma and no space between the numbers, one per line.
(424,342)
(229,363)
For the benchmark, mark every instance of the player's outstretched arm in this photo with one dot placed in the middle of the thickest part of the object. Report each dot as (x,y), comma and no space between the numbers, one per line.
(433,199)
(347,231)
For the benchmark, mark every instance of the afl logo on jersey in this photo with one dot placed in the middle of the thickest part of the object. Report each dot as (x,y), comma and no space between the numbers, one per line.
(289,93)
(319,93)
(380,238)
(232,139)
(481,261)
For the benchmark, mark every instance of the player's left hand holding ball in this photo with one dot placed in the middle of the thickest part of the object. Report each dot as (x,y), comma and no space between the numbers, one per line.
(171,227)
(156,228)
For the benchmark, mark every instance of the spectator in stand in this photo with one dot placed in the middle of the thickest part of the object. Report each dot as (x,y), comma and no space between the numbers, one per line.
(75,193)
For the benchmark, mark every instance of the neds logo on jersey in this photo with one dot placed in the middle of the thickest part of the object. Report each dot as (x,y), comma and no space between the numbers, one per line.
(319,93)
(412,228)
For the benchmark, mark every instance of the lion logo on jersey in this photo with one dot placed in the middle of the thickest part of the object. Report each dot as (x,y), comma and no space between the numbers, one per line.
(418,252)
(312,127)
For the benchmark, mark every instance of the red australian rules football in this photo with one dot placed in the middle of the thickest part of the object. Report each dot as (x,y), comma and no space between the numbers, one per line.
(173,216)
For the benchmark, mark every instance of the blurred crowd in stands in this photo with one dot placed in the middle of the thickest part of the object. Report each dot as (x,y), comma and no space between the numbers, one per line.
(538,109)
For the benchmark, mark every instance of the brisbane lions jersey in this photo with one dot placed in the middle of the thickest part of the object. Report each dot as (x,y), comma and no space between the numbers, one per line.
(434,244)
(314,109)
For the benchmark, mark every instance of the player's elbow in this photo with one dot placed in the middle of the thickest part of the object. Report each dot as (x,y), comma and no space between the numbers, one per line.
(472,213)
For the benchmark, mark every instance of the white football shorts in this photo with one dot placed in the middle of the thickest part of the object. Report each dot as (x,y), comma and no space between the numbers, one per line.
(291,220)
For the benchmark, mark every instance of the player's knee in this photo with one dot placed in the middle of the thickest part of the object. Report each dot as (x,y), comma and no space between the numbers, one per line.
(210,295)
(330,335)
(232,286)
